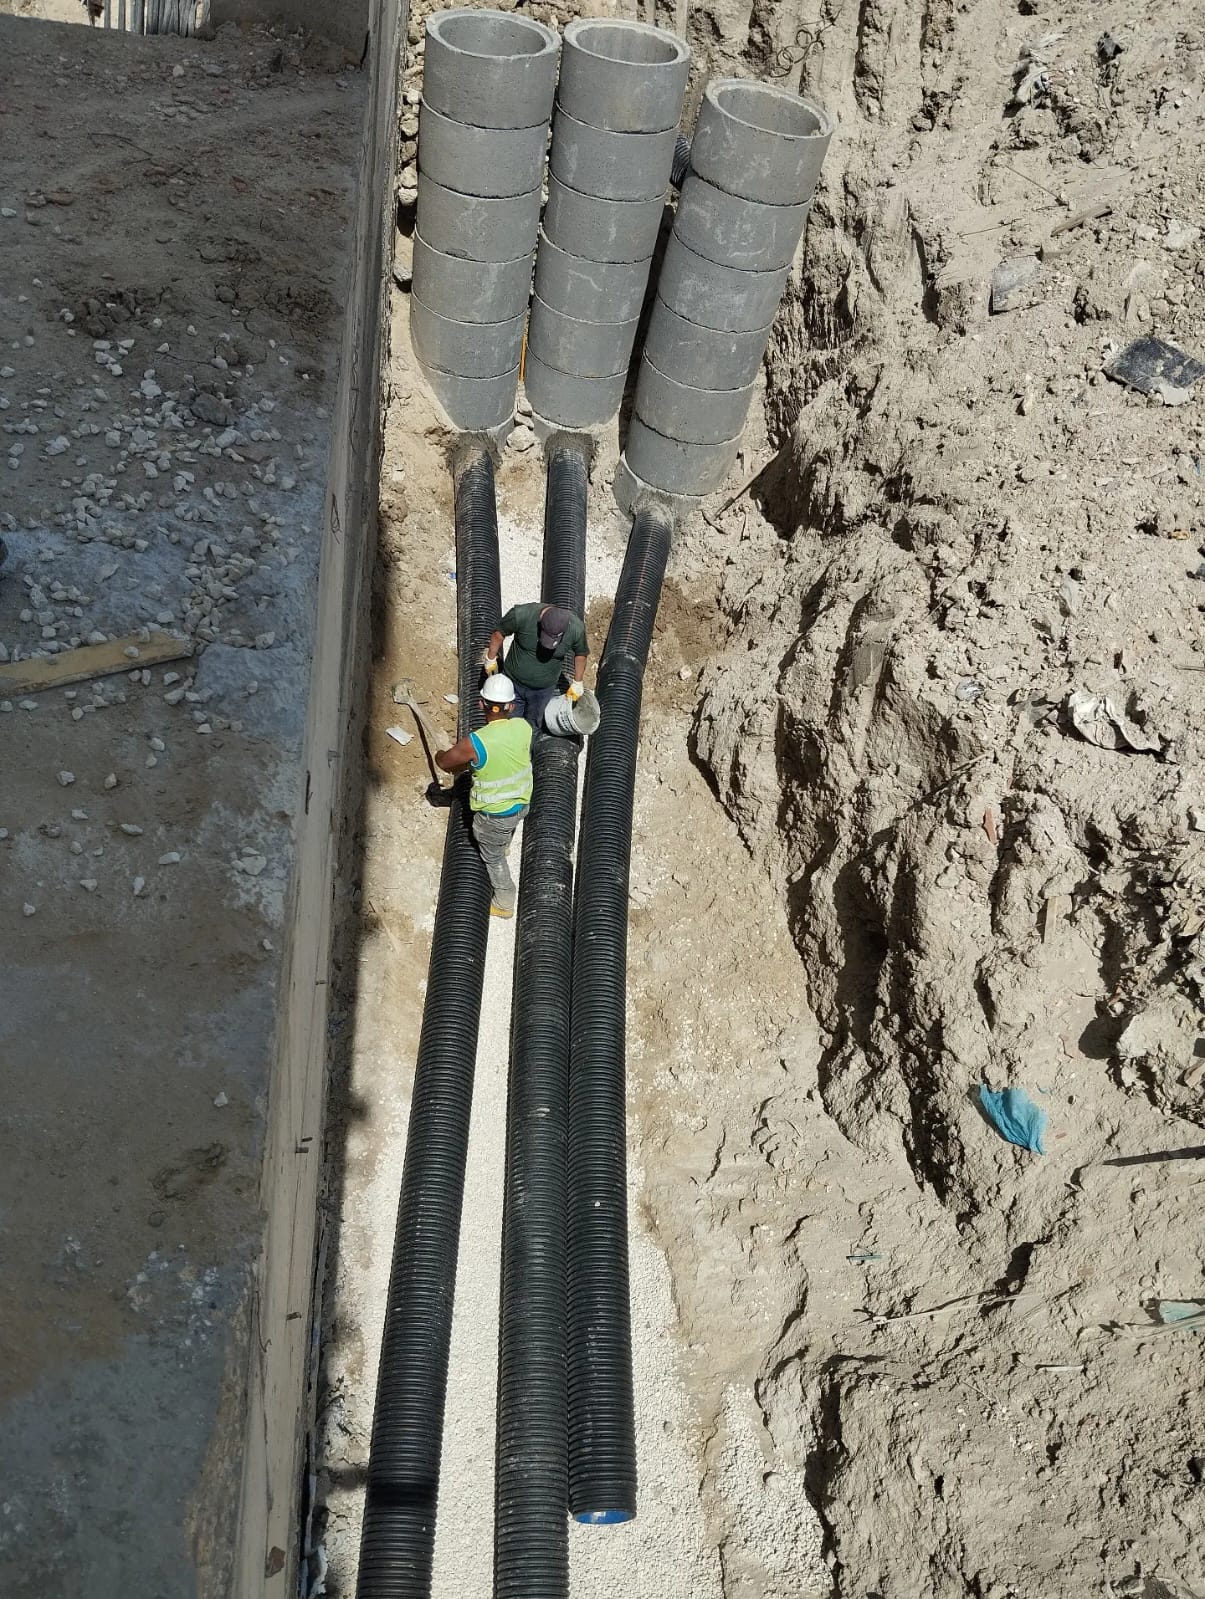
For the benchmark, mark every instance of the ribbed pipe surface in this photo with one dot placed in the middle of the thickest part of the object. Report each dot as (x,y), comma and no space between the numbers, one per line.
(398,1535)
(531,1547)
(602,1445)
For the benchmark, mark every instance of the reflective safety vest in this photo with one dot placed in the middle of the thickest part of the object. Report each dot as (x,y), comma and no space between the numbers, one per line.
(503,779)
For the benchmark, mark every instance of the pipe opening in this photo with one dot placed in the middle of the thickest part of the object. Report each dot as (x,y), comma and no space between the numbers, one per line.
(492,37)
(769,110)
(634,43)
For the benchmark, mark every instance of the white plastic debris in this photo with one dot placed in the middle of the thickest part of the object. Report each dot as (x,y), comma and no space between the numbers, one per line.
(221,1101)
(399,735)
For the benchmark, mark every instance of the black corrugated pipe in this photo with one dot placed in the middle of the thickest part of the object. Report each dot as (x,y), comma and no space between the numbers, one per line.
(602,1444)
(398,1536)
(531,1542)
(677,173)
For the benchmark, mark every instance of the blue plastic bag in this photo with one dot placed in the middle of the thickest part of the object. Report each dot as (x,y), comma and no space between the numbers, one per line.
(1015,1117)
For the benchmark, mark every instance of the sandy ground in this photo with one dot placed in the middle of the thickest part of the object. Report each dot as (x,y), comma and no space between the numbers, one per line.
(918,1360)
(666,1552)
(171,247)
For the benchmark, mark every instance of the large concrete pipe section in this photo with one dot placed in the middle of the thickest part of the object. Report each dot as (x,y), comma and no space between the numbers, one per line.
(754,163)
(614,137)
(489,78)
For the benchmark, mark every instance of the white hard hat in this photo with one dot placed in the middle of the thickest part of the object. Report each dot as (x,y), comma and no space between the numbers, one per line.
(498,690)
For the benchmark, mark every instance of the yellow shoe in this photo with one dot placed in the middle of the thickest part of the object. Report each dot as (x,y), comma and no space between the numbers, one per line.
(500,910)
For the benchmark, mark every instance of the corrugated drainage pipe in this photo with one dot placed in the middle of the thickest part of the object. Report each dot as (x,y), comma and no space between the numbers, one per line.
(531,1547)
(602,1445)
(403,1468)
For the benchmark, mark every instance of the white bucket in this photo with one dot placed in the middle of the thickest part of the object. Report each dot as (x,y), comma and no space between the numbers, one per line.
(562,716)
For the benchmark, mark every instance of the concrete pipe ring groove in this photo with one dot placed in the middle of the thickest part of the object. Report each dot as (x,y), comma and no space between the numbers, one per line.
(494,163)
(475,228)
(676,467)
(569,401)
(595,291)
(495,69)
(760,142)
(683,411)
(612,166)
(628,77)
(602,230)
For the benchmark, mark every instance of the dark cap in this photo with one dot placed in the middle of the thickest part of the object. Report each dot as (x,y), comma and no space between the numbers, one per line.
(552,626)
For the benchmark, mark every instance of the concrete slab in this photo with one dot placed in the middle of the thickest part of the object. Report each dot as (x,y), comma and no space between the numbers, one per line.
(490,68)
(190,361)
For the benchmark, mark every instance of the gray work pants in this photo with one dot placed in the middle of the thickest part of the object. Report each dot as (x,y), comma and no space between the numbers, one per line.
(493,835)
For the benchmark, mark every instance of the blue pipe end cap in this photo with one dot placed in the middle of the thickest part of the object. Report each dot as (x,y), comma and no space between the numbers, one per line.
(604,1518)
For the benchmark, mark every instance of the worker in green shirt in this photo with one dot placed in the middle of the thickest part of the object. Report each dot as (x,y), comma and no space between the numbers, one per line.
(499,757)
(548,644)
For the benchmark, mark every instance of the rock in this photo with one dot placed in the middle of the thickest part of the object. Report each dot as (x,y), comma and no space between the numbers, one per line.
(252,864)
(111,780)
(208,408)
(221,1101)
(66,779)
(1014,283)
(172,858)
(28,909)
(131,829)
(521,439)
(88,884)
(139,887)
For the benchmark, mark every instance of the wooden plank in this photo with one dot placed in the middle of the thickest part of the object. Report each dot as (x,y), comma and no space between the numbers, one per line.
(90,660)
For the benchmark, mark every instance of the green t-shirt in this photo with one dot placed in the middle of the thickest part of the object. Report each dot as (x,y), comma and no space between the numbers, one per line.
(526,662)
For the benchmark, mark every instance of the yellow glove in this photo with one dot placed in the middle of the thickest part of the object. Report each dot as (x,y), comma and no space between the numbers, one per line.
(575,691)
(491,666)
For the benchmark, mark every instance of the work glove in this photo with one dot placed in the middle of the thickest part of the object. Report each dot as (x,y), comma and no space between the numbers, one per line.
(575,691)
(491,665)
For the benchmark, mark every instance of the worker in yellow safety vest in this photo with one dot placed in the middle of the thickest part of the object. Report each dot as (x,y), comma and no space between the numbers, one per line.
(499,757)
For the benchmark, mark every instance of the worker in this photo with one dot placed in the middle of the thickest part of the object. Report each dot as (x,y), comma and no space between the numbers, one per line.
(499,756)
(548,643)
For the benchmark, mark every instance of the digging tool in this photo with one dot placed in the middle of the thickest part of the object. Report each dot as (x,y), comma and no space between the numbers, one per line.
(405,692)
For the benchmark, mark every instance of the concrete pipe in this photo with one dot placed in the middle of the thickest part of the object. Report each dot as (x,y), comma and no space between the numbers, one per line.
(595,291)
(676,467)
(494,69)
(708,358)
(601,230)
(465,349)
(718,296)
(470,291)
(478,405)
(476,228)
(737,232)
(568,401)
(612,166)
(587,349)
(494,162)
(760,142)
(692,415)
(625,76)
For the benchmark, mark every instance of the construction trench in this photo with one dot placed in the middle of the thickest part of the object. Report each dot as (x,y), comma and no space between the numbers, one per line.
(894,612)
